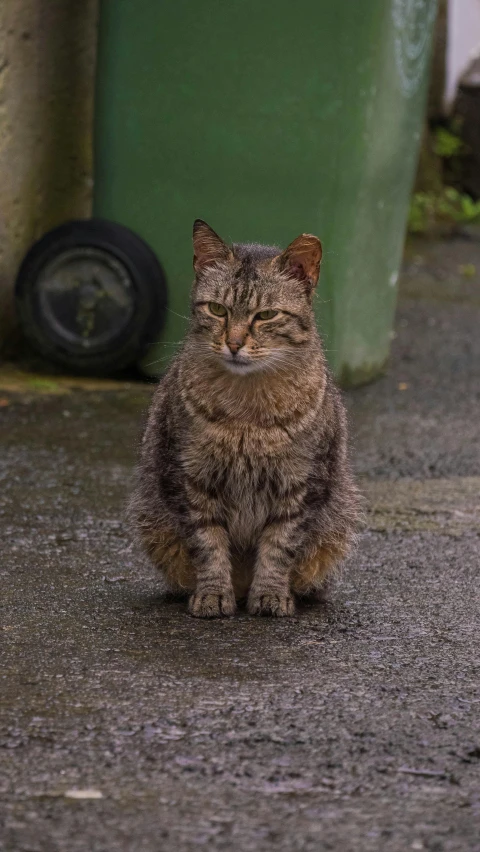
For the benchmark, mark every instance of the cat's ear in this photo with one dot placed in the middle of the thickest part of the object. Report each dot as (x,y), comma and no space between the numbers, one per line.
(301,260)
(208,247)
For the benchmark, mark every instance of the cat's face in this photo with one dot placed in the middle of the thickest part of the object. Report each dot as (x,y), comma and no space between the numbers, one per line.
(252,305)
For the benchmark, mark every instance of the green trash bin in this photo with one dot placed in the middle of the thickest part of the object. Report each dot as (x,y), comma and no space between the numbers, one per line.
(268,120)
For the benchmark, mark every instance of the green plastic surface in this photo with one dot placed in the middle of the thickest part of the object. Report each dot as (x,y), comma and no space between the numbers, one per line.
(268,120)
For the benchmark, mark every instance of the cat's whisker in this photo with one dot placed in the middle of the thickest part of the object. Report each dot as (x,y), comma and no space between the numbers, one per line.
(292,353)
(163,343)
(158,361)
(288,357)
(182,316)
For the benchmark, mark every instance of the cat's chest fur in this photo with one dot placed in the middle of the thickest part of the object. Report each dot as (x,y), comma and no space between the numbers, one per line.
(248,473)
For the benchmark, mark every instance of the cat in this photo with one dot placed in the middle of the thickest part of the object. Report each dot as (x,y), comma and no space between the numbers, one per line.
(244,487)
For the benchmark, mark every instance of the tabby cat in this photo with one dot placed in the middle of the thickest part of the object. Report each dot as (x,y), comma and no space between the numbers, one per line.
(244,487)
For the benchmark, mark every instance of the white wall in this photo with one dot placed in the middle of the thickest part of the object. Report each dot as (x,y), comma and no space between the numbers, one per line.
(463,42)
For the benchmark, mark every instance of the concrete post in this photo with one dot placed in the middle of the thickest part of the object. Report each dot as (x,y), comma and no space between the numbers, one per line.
(47,59)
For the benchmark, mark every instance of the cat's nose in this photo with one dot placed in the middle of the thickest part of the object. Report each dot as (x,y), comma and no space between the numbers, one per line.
(234,345)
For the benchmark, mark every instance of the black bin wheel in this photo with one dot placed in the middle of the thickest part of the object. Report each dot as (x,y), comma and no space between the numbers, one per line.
(91,296)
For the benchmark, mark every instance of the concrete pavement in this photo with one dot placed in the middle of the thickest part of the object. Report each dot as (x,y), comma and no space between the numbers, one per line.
(354,725)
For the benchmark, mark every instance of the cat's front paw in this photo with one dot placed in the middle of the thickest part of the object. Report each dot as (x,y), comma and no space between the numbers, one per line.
(270,603)
(210,605)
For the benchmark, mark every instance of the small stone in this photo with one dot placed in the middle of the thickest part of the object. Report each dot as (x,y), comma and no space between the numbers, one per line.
(83,794)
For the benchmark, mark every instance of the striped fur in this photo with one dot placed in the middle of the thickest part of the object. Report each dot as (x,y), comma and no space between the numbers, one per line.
(244,486)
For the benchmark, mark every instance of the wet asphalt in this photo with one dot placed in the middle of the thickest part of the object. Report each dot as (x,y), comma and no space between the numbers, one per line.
(354,725)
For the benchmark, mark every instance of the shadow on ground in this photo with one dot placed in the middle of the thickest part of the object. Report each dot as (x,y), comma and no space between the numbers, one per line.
(353,726)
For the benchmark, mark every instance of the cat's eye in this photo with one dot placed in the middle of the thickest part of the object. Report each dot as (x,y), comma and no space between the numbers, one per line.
(265,315)
(217,309)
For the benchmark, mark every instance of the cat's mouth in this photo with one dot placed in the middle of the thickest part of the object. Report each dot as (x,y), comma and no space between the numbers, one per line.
(239,365)
(238,362)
